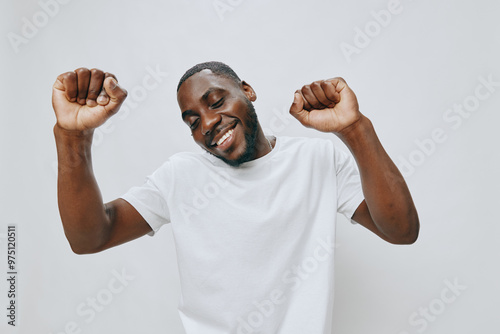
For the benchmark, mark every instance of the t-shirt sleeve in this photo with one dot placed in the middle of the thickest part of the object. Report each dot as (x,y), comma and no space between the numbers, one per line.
(150,199)
(349,191)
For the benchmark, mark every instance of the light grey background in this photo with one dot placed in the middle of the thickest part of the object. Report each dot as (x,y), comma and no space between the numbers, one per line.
(427,58)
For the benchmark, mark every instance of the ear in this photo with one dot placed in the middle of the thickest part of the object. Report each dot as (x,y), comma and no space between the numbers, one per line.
(249,92)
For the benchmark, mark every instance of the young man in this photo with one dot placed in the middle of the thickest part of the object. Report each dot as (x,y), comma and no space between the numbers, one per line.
(253,216)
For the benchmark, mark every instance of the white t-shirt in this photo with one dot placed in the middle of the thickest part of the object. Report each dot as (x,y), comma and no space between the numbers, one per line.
(255,243)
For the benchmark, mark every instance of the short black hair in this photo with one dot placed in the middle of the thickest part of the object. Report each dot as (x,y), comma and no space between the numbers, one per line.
(216,67)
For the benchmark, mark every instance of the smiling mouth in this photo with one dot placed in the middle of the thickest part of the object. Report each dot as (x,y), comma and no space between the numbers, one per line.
(223,136)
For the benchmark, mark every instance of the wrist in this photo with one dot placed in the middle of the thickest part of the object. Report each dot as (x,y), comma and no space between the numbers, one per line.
(357,131)
(61,132)
(73,144)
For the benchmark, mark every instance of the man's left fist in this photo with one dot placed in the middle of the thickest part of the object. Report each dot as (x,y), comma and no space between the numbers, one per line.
(326,105)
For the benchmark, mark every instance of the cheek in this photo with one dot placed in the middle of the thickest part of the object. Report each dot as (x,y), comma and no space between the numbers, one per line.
(198,138)
(240,110)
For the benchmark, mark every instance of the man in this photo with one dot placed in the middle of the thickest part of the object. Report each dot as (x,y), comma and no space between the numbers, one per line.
(253,216)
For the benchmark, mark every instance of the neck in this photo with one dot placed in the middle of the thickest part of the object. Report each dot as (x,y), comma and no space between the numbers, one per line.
(262,144)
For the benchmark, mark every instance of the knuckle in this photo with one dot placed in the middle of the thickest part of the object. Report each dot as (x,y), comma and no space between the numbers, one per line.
(68,75)
(96,71)
(82,70)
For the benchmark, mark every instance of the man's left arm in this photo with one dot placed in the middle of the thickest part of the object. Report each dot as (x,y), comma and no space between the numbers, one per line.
(388,209)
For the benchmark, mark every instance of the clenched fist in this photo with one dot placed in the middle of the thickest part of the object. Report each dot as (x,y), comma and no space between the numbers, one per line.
(326,105)
(84,99)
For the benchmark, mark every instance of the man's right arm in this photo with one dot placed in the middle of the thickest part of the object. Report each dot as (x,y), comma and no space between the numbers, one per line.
(83,100)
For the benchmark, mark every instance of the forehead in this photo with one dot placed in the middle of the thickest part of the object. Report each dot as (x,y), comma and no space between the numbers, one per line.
(200,83)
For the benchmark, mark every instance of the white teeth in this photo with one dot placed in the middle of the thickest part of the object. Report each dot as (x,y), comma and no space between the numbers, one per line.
(227,135)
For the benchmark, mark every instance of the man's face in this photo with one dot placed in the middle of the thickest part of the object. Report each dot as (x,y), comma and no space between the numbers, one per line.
(221,116)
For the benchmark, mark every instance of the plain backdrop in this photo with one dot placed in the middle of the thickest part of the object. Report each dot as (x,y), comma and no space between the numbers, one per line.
(412,70)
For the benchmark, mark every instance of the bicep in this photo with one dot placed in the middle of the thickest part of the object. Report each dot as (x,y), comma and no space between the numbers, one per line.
(126,224)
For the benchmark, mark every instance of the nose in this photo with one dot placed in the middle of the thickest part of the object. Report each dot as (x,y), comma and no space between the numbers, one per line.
(208,122)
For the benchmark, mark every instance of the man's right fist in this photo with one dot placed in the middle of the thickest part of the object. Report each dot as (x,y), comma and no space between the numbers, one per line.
(84,99)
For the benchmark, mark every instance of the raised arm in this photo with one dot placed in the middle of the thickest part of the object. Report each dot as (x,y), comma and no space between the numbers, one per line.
(388,209)
(83,100)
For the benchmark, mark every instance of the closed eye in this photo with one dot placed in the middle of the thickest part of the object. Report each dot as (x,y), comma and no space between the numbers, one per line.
(194,125)
(217,104)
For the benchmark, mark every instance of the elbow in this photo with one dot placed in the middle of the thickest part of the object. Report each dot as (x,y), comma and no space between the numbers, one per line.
(82,247)
(79,250)
(82,242)
(410,233)
(405,240)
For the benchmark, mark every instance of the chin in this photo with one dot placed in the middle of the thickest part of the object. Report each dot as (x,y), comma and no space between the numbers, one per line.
(245,156)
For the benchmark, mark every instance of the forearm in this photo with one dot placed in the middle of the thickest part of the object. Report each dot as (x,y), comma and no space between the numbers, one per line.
(85,221)
(386,194)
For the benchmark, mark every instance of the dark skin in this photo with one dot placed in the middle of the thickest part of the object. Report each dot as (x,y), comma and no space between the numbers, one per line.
(388,209)
(212,105)
(83,100)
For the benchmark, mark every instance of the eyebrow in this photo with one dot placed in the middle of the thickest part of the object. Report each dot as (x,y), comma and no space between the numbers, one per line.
(210,91)
(187,113)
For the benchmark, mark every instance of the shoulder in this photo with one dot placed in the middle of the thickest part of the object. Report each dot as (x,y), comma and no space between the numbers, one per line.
(187,160)
(321,152)
(307,144)
(181,165)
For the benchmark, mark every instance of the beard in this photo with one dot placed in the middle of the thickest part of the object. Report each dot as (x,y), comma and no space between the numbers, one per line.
(252,125)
